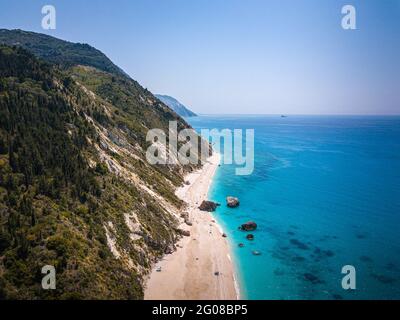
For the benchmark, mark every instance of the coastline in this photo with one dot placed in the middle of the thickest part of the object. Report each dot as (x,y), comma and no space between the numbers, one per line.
(189,272)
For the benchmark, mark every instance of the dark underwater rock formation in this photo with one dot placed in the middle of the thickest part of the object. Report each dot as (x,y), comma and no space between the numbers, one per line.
(299,244)
(250,237)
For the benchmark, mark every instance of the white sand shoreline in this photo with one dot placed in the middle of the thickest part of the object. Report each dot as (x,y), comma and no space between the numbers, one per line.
(189,273)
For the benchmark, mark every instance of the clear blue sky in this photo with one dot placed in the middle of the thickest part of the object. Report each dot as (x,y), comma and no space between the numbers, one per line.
(240,56)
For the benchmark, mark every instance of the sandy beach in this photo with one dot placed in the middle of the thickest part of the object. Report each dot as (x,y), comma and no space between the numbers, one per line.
(189,273)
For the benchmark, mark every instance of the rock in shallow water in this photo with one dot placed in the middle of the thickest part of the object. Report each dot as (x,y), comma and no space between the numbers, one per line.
(232,202)
(248,226)
(250,237)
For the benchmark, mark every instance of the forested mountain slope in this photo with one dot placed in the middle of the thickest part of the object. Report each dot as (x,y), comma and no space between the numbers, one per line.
(57,51)
(76,190)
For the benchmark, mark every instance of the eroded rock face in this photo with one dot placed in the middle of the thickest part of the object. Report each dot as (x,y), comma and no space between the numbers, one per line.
(186,219)
(232,202)
(248,226)
(170,249)
(185,233)
(208,206)
(185,215)
(189,223)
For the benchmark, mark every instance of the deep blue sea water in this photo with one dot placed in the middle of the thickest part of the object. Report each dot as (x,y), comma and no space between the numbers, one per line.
(325,193)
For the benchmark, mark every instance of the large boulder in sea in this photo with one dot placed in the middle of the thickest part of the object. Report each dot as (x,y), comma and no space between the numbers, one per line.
(208,206)
(232,202)
(248,226)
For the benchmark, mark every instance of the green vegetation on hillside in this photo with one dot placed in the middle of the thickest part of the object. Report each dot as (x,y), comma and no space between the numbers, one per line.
(62,53)
(55,206)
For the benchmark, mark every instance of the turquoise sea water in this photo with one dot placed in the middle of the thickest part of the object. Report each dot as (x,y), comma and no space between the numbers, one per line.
(325,193)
